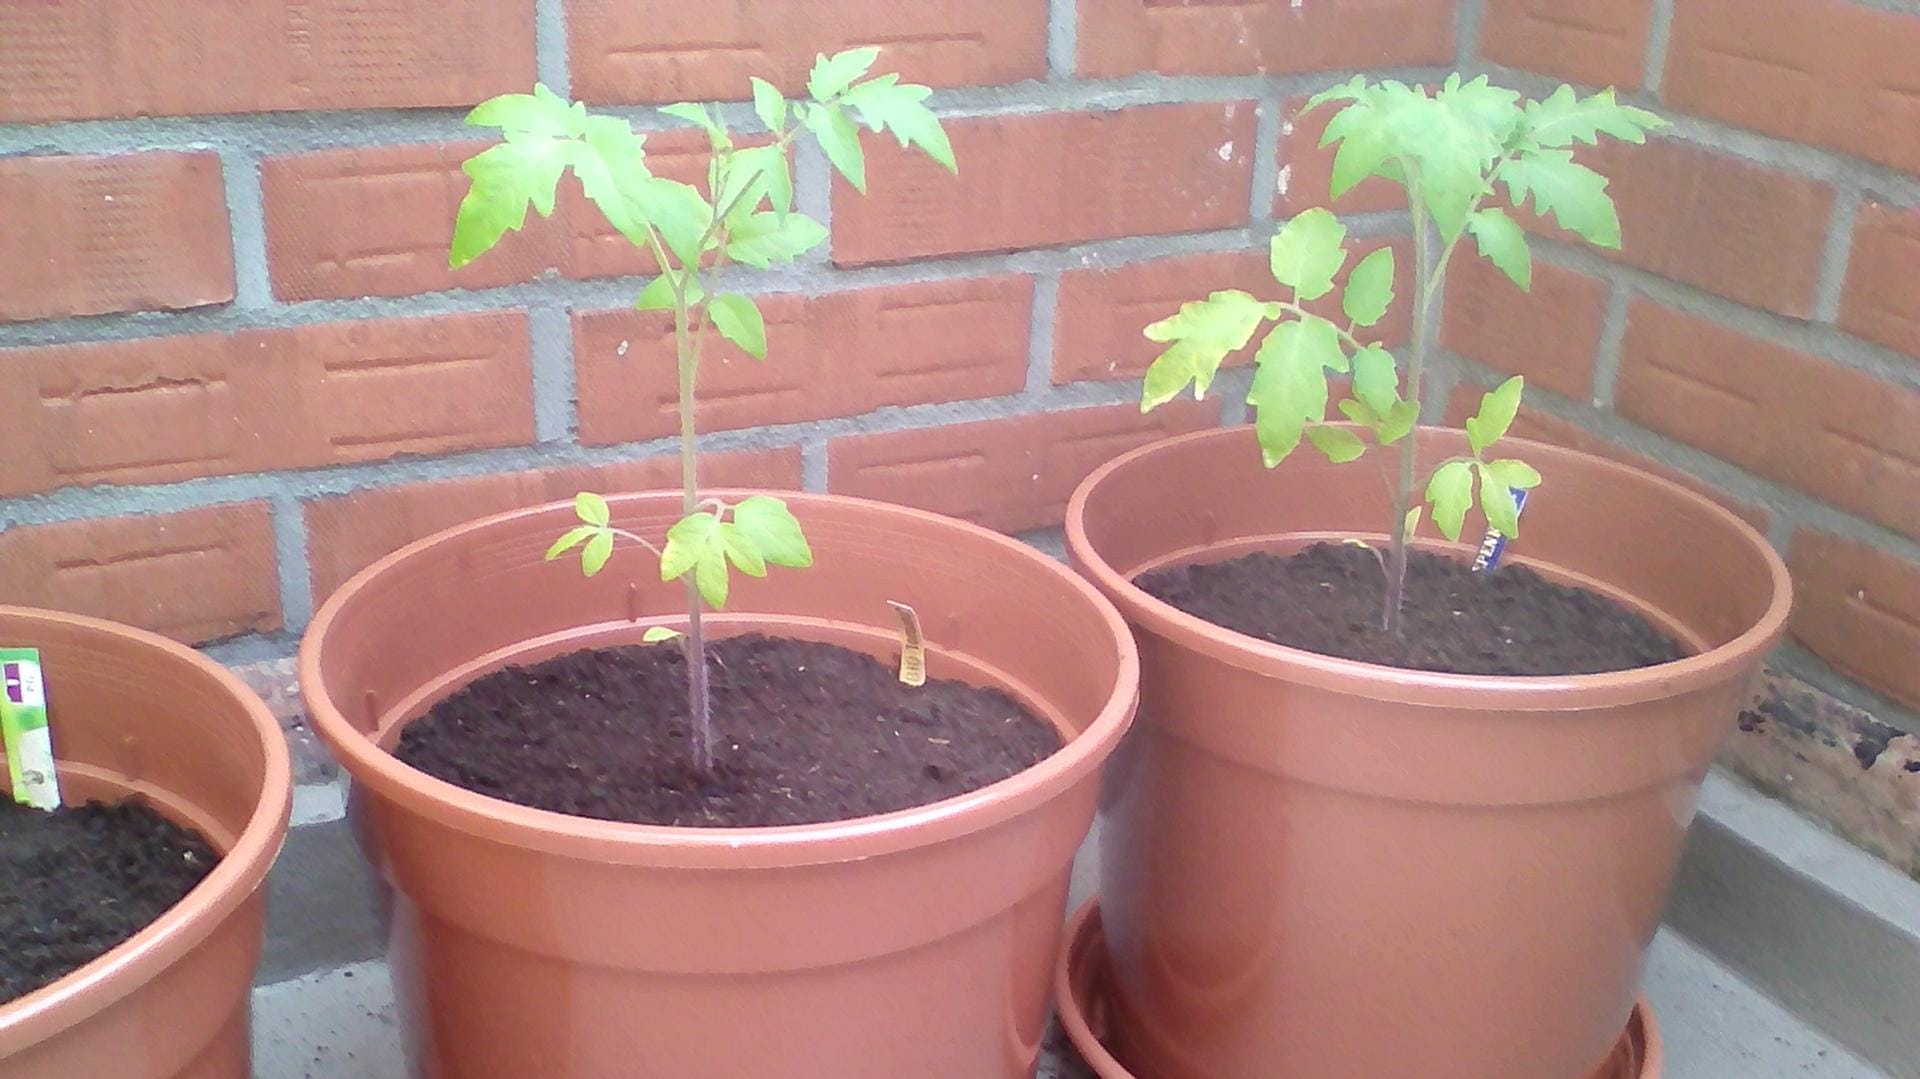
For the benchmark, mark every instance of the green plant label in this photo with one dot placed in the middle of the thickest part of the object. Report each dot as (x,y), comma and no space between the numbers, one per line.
(23,720)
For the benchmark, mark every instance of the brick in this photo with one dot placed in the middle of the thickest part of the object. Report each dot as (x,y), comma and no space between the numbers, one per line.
(1833,73)
(1734,228)
(348,533)
(1012,474)
(1882,297)
(377,221)
(656,52)
(1546,427)
(1839,434)
(158,410)
(840,354)
(1858,607)
(1600,43)
(1052,179)
(1550,333)
(1239,37)
(1306,168)
(1101,312)
(131,232)
(92,58)
(196,576)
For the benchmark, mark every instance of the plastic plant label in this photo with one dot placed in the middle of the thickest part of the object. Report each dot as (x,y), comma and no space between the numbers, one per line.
(913,646)
(23,720)
(1495,544)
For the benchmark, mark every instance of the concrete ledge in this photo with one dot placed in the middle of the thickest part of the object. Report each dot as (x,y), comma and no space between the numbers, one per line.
(1826,929)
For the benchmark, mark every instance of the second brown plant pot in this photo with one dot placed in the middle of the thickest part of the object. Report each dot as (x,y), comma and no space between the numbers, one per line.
(1324,869)
(529,943)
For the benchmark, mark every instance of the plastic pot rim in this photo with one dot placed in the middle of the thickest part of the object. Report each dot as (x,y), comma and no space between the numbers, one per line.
(118,972)
(1429,688)
(719,848)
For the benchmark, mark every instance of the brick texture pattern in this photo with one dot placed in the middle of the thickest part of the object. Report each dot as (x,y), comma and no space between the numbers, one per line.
(128,232)
(1210,37)
(229,335)
(624,51)
(91,58)
(196,576)
(1044,181)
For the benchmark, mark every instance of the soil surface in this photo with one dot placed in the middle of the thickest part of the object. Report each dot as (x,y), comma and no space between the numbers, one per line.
(1327,599)
(82,879)
(806,732)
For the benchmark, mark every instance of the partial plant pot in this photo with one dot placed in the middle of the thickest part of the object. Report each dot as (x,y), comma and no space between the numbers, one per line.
(916,943)
(1315,867)
(135,715)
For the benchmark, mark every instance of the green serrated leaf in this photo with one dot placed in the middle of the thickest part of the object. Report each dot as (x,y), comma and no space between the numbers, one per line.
(1398,422)
(889,105)
(695,113)
(1503,242)
(593,557)
(1575,195)
(657,634)
(1351,90)
(658,295)
(1358,412)
(1364,146)
(1451,492)
(1339,444)
(686,540)
(766,238)
(710,576)
(1410,524)
(1496,502)
(1514,473)
(1369,290)
(1290,386)
(1376,381)
(572,538)
(1201,335)
(677,211)
(1563,119)
(769,104)
(592,509)
(756,174)
(774,532)
(503,181)
(739,321)
(1307,252)
(542,112)
(1497,410)
(839,136)
(833,74)
(742,550)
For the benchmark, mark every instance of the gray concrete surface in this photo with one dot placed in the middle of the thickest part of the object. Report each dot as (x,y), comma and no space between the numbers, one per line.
(341,1025)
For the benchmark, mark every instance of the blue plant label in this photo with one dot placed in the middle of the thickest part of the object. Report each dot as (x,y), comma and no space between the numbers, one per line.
(1495,544)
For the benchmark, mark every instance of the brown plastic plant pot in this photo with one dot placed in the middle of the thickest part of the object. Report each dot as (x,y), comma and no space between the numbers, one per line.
(1326,869)
(136,715)
(1082,983)
(915,943)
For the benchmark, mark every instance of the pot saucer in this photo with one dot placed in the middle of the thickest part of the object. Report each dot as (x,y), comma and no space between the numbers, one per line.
(1081,987)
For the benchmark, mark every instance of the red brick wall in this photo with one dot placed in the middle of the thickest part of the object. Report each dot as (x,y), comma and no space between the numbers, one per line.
(1758,334)
(231,351)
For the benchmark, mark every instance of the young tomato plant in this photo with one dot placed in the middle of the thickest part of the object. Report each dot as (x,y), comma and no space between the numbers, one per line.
(745,215)
(1451,150)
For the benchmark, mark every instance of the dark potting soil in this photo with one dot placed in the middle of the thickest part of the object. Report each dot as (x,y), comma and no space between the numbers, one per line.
(1327,597)
(82,879)
(806,732)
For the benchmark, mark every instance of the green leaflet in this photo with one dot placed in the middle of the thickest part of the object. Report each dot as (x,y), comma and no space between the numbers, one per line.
(1306,253)
(1200,336)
